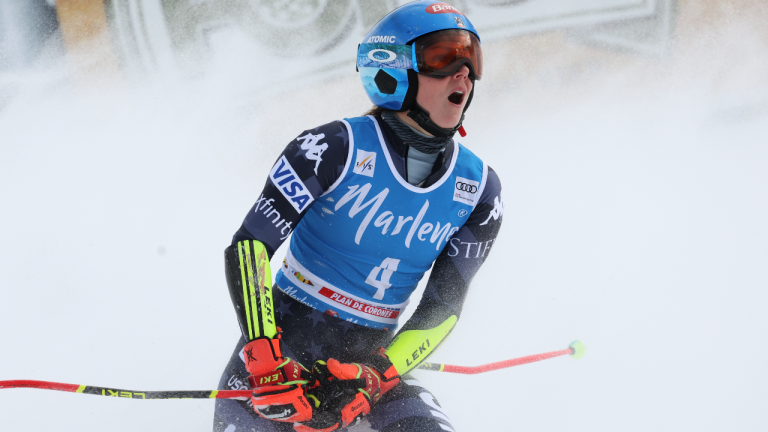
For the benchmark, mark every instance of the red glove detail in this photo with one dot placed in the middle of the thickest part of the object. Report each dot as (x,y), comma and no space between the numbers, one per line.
(278,383)
(376,383)
(349,391)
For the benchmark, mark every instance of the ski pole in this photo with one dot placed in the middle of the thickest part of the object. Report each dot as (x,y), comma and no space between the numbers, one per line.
(128,394)
(575,350)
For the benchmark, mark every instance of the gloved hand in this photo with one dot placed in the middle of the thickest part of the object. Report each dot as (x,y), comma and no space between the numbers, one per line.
(278,383)
(347,391)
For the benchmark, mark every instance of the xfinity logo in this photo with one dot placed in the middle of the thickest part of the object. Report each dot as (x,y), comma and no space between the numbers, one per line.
(290,185)
(265,206)
(465,191)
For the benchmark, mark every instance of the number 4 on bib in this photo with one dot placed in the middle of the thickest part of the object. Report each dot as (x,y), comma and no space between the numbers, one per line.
(387,267)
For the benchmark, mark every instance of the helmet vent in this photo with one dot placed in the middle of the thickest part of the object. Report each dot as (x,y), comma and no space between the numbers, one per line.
(387,83)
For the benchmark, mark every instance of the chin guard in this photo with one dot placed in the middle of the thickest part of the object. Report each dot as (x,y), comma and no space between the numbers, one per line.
(421,117)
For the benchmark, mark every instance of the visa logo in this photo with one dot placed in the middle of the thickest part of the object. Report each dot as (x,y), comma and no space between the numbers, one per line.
(290,185)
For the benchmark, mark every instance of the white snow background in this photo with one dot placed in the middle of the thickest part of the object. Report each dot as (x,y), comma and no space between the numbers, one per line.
(635,221)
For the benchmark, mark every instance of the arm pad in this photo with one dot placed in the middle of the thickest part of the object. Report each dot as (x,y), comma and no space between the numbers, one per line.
(412,347)
(250,286)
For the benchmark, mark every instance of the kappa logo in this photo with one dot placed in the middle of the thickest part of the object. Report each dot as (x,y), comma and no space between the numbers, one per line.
(312,150)
(465,191)
(498,210)
(290,185)
(365,163)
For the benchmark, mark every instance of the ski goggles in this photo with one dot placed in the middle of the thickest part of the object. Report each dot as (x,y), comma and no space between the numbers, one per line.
(442,53)
(439,54)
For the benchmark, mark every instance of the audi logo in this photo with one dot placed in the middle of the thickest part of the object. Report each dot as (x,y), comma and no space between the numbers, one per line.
(466,187)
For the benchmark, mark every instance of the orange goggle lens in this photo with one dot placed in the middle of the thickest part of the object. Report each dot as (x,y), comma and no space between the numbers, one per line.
(442,53)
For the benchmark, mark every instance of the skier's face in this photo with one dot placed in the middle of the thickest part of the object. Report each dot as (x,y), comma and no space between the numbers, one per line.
(444,98)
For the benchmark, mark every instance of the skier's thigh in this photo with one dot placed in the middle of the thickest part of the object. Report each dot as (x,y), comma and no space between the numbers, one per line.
(406,408)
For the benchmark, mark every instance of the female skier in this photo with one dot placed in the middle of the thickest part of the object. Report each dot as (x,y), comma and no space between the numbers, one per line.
(372,202)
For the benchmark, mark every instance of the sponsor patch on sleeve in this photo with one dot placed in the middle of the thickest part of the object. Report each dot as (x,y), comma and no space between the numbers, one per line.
(290,185)
(365,163)
(465,191)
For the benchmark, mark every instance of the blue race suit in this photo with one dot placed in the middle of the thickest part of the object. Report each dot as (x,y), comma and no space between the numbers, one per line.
(363,238)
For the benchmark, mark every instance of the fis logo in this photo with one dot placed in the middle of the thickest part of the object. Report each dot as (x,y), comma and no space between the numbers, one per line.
(465,191)
(365,163)
(290,185)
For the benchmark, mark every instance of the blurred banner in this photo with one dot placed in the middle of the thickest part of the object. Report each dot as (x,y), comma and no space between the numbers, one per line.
(25,28)
(307,39)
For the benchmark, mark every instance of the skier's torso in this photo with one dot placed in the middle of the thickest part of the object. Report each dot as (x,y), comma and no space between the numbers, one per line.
(362,247)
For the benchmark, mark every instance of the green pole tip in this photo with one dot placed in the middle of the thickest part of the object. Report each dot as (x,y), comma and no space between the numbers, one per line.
(578,348)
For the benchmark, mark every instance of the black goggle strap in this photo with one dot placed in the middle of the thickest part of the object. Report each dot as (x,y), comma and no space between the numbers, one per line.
(385,56)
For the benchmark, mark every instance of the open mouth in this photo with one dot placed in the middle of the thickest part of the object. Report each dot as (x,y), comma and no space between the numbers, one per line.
(456,97)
